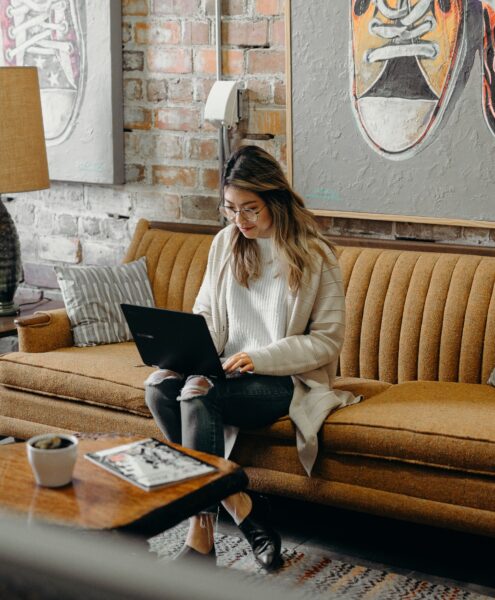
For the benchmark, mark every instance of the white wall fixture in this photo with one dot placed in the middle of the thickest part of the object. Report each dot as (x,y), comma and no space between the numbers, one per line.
(222,107)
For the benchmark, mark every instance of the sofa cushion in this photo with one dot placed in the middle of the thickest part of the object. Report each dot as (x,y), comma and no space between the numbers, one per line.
(110,375)
(283,429)
(436,424)
(440,424)
(93,296)
(361,387)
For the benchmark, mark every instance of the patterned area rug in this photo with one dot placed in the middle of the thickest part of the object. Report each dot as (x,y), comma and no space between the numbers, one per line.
(316,574)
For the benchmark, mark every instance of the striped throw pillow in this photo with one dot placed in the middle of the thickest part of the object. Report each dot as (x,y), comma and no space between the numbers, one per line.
(93,295)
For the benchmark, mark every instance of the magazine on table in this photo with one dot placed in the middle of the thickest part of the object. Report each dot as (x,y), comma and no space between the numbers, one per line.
(150,464)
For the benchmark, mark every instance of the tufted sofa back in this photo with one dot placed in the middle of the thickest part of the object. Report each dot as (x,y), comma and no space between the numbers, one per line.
(410,315)
(176,263)
(418,315)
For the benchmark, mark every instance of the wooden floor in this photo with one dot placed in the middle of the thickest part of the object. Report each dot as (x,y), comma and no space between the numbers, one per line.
(422,552)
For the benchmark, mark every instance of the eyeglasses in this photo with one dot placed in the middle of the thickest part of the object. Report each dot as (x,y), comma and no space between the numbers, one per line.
(247,214)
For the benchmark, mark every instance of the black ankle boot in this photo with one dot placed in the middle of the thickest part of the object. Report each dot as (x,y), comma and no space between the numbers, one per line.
(186,552)
(263,539)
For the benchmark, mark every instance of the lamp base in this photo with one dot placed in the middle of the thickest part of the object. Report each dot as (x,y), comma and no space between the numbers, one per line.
(10,263)
(9,309)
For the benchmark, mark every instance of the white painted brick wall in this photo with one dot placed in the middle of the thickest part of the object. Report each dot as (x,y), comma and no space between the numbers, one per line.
(60,249)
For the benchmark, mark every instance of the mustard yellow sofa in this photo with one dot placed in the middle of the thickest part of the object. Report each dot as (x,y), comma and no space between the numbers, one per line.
(420,346)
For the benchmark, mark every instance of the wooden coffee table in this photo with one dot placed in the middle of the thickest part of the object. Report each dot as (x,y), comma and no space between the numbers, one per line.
(98,500)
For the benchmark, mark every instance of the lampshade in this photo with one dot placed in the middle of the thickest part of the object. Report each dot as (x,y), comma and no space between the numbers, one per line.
(23,164)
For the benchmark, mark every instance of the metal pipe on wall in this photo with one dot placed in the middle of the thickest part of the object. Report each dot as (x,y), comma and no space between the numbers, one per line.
(218,37)
(222,132)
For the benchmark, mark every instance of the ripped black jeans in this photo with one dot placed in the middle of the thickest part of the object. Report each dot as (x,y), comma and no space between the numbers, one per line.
(194,415)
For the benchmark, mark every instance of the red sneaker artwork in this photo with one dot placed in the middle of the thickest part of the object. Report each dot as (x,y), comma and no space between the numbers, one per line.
(405,58)
(489,63)
(47,34)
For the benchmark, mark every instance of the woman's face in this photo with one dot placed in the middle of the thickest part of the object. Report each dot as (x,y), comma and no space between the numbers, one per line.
(237,199)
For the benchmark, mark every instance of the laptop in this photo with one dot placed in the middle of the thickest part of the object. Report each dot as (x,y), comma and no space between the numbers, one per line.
(170,339)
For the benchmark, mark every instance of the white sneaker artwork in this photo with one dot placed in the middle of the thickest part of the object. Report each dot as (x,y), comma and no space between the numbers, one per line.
(405,60)
(47,34)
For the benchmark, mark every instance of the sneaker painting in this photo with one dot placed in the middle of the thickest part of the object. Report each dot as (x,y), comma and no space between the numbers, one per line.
(489,64)
(405,58)
(47,34)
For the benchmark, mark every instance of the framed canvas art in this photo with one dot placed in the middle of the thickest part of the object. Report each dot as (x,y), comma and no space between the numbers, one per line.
(76,46)
(392,108)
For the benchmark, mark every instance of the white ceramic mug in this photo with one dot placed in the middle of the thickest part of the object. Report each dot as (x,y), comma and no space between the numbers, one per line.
(52,467)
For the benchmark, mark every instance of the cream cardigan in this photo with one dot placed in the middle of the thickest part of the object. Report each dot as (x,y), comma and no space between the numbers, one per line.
(310,350)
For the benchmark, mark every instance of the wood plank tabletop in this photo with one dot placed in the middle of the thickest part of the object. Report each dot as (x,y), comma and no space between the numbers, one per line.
(99,500)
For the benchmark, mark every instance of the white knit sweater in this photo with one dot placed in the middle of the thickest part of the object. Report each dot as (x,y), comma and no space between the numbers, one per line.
(310,350)
(257,316)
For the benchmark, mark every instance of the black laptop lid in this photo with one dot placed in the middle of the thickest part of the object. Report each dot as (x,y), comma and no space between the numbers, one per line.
(174,340)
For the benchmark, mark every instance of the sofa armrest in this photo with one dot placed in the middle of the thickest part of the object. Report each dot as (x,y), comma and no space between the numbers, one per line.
(44,331)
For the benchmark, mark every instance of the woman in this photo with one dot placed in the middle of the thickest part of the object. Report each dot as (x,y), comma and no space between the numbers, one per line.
(274,303)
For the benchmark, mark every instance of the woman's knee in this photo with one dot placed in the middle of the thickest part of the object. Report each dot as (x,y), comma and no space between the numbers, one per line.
(196,386)
(152,397)
(198,400)
(158,377)
(161,387)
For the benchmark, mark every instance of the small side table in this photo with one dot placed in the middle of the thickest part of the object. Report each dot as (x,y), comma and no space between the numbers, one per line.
(8,330)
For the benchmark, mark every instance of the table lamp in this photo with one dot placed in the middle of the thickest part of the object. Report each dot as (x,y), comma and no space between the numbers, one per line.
(23,166)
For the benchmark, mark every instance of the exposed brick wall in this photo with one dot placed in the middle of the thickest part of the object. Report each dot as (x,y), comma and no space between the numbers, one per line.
(170,151)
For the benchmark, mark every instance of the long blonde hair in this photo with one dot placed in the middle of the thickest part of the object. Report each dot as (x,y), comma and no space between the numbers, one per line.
(296,232)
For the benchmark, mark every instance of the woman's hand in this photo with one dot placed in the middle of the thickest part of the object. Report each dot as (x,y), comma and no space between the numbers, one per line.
(238,362)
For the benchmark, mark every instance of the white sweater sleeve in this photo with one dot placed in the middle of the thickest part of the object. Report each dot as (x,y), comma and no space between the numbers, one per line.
(322,342)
